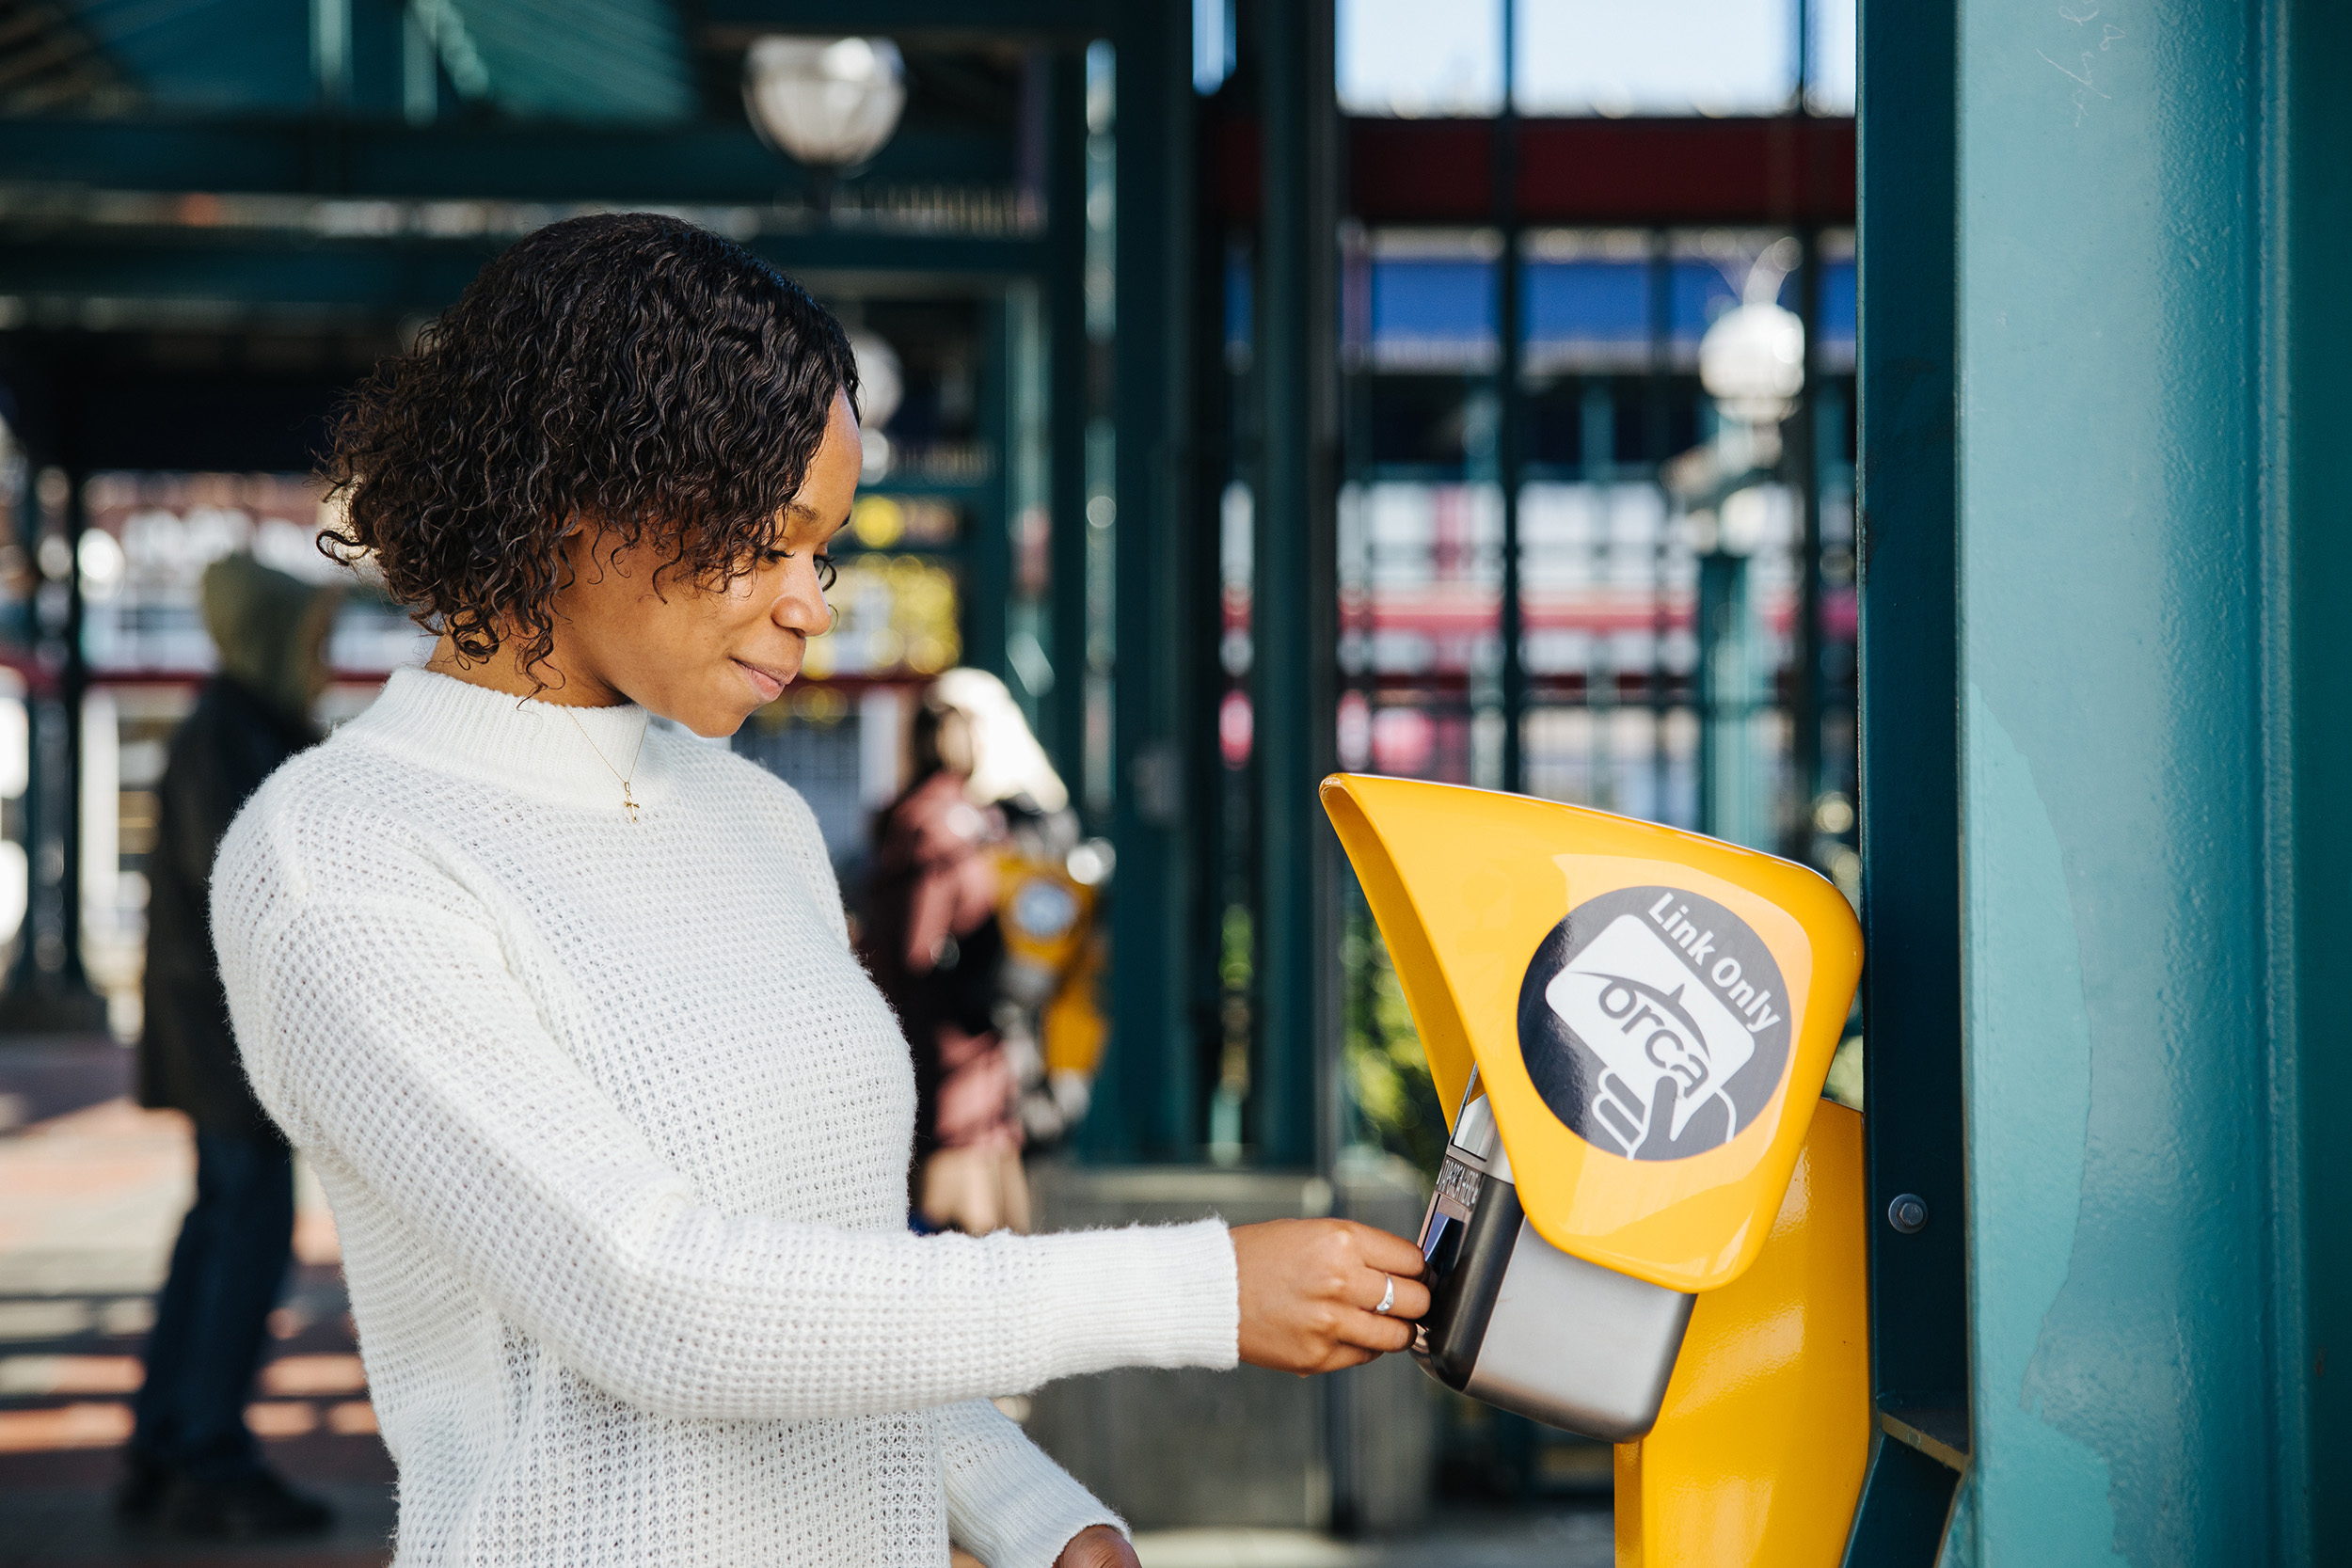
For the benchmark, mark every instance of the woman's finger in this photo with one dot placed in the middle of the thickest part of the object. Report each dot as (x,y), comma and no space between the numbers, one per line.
(1341,1356)
(1393,1295)
(1374,1333)
(1410,1303)
(1391,1255)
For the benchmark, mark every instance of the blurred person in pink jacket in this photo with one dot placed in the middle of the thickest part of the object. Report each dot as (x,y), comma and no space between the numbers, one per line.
(929,934)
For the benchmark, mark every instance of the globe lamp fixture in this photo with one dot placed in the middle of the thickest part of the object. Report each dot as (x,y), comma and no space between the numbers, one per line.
(830,103)
(1752,361)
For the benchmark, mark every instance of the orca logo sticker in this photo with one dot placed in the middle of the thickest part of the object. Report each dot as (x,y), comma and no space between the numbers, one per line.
(1654,1024)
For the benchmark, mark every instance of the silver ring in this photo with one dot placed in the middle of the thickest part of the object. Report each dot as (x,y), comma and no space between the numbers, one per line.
(1388,1297)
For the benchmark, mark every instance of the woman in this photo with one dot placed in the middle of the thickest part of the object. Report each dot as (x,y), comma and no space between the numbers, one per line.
(928,935)
(563,1010)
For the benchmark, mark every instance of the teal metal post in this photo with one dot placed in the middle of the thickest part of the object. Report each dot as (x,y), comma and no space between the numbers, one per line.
(988,540)
(2311,766)
(1735,800)
(2114,967)
(1147,1104)
(1064,730)
(1906,492)
(1511,400)
(1296,665)
(2119,592)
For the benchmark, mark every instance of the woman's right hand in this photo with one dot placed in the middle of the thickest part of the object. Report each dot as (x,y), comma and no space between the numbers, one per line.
(1308,1291)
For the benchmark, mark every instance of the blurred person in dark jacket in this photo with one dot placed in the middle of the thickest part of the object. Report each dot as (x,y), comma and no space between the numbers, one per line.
(195,1467)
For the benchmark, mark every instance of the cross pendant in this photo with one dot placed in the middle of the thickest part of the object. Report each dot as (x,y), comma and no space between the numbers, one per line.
(629,802)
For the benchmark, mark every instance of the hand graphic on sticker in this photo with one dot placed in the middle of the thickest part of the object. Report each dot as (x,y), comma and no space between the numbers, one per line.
(1709,1123)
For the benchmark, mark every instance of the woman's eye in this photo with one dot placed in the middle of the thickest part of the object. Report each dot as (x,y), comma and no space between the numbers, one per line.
(826,572)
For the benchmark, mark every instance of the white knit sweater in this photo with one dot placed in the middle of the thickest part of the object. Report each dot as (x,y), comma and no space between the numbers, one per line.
(616,1133)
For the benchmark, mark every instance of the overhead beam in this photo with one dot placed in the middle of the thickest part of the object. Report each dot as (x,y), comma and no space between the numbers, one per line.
(932,21)
(97,279)
(541,162)
(1404,171)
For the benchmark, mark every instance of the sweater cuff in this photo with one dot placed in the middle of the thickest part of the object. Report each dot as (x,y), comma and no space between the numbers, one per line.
(1008,1503)
(1156,1296)
(1029,1525)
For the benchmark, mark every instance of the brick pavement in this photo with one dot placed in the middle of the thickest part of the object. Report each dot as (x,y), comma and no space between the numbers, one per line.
(95,1188)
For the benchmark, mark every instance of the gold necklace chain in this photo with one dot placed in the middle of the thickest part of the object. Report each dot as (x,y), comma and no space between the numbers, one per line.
(629,801)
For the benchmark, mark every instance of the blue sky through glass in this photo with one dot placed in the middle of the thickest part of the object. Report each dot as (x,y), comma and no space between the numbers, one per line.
(1656,57)
(1410,59)
(1829,80)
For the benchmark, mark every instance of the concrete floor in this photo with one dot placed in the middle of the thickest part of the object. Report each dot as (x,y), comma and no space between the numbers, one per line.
(1567,1538)
(95,1188)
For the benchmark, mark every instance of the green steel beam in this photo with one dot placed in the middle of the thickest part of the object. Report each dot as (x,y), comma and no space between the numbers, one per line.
(987,563)
(994,19)
(1149,1108)
(2103,495)
(459,159)
(1069,410)
(1909,797)
(1295,635)
(2311,840)
(2115,586)
(406,275)
(2111,563)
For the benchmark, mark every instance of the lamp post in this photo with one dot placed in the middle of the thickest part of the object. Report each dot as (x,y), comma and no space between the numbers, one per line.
(828,103)
(1752,363)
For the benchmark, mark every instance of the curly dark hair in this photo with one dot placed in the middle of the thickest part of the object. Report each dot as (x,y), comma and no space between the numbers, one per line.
(630,371)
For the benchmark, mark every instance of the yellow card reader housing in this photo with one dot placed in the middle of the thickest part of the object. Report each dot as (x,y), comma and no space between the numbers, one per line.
(1649,1013)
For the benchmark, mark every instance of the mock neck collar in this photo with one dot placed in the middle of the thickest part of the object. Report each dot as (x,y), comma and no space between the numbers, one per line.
(574,755)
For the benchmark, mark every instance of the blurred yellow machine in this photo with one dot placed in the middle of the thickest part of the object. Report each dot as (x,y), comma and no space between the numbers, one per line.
(1648,1227)
(1053,955)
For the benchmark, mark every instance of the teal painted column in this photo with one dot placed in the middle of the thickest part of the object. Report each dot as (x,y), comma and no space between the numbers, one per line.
(1910,808)
(1295,1103)
(2112,564)
(2311,764)
(1147,1099)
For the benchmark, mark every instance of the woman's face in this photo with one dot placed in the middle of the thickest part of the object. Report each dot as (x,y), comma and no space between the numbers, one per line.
(708,657)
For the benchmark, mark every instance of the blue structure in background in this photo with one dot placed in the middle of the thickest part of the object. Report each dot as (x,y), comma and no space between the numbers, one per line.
(1447,304)
(1589,303)
(1585,304)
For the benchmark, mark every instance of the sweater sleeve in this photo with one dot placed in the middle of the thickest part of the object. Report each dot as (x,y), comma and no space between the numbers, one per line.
(450,1099)
(1008,1503)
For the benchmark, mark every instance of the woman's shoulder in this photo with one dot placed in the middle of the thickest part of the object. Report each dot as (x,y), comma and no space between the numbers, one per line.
(340,814)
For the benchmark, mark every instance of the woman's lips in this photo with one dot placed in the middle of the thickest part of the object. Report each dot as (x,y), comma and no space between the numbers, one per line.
(768,682)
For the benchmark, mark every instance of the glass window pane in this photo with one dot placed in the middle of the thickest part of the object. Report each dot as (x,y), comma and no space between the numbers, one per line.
(1658,57)
(1830,74)
(1409,58)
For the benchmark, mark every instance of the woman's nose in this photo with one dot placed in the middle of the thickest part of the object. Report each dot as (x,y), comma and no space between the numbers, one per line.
(802,607)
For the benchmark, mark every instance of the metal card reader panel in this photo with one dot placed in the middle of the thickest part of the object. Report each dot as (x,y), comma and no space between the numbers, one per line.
(1521,1324)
